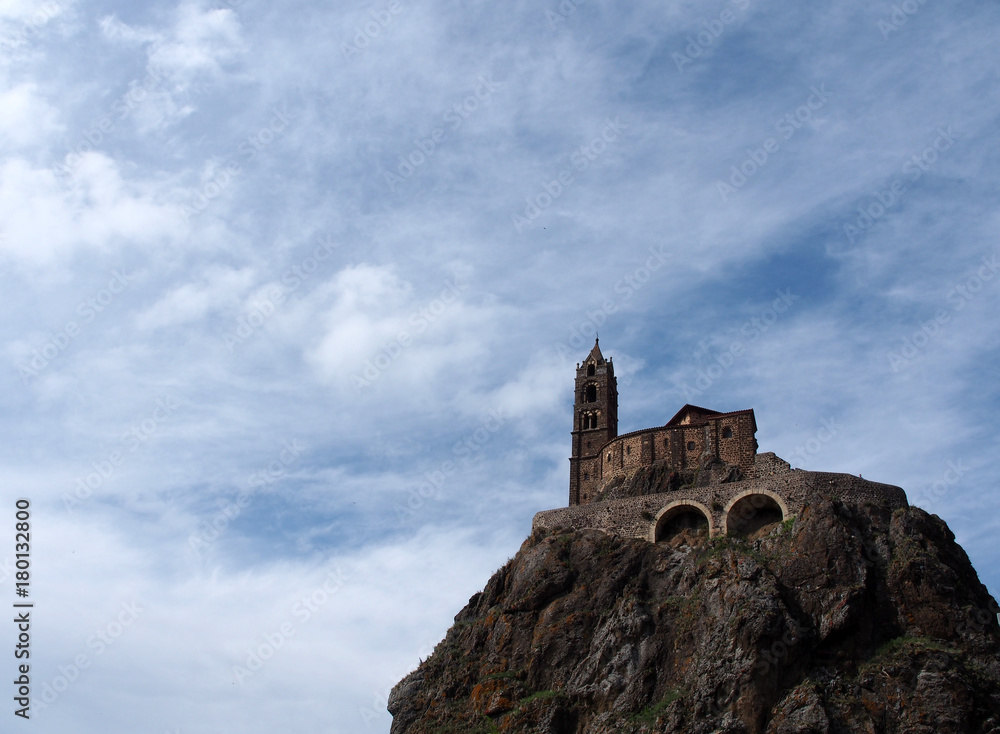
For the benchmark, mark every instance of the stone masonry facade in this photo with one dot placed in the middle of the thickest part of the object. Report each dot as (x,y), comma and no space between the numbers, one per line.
(768,489)
(778,487)
(688,439)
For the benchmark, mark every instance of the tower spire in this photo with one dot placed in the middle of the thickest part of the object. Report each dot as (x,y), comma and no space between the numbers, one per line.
(595,422)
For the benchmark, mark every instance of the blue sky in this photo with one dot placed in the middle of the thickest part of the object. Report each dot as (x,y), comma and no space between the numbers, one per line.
(294,294)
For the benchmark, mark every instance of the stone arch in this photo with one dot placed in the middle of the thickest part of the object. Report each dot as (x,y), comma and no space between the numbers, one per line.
(752,509)
(674,510)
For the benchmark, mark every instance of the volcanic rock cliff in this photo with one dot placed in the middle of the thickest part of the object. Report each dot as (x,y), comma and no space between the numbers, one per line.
(847,618)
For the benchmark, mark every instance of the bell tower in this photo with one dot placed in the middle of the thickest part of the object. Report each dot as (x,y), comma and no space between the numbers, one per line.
(595,422)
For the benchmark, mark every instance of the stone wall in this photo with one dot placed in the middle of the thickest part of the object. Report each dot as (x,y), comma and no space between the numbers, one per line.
(682,446)
(791,490)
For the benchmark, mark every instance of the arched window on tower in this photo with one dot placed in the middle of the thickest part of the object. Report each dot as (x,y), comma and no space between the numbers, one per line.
(591,394)
(727,432)
(591,369)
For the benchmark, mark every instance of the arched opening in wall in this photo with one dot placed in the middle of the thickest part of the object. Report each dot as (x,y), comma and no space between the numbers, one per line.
(591,396)
(727,432)
(753,517)
(682,525)
(591,369)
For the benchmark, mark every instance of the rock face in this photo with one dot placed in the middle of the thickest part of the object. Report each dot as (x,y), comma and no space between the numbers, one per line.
(846,619)
(660,477)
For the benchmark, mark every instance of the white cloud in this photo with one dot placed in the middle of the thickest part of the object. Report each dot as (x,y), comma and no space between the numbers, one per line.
(44,218)
(27,16)
(28,119)
(200,42)
(217,289)
(378,328)
(210,635)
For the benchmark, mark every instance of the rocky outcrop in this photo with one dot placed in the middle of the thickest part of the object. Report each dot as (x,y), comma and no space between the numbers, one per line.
(660,476)
(849,618)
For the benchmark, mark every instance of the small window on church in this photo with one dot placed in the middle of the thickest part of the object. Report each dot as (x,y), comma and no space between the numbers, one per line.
(591,369)
(591,393)
(690,445)
(586,476)
(628,450)
(727,432)
(609,457)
